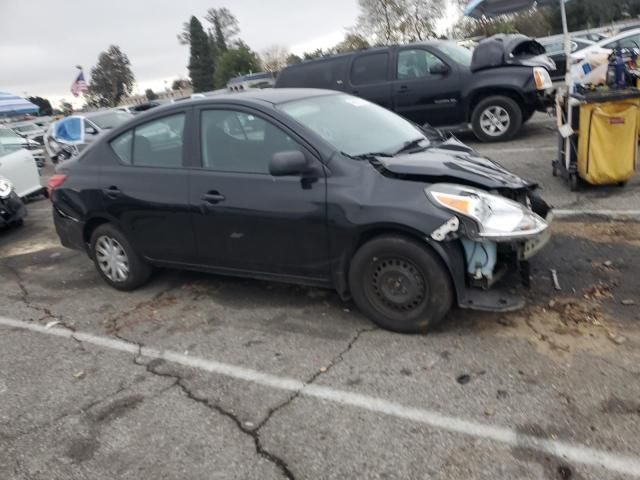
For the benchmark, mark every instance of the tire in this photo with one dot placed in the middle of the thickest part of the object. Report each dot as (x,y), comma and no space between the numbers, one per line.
(400,284)
(505,111)
(109,245)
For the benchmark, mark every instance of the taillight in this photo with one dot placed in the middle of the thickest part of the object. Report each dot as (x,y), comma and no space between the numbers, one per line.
(54,182)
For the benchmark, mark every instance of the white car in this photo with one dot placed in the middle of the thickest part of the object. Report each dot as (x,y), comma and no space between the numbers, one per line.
(627,39)
(20,169)
(10,141)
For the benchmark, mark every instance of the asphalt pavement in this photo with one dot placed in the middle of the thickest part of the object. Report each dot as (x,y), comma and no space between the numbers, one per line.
(197,376)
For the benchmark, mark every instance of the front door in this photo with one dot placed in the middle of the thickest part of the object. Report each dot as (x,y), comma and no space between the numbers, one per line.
(427,90)
(145,188)
(244,218)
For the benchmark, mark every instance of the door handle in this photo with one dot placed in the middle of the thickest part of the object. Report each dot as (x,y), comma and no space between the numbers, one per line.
(112,192)
(213,197)
(403,88)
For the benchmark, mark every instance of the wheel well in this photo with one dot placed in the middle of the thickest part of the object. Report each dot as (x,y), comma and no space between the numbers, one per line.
(90,227)
(342,283)
(491,92)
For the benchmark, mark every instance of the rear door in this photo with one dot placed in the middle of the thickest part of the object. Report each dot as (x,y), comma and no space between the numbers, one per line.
(427,88)
(369,77)
(145,188)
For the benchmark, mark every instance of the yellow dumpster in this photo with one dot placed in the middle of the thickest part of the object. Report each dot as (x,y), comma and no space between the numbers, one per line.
(607,142)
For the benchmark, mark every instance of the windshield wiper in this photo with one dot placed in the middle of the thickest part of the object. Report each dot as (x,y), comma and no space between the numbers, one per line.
(368,155)
(412,144)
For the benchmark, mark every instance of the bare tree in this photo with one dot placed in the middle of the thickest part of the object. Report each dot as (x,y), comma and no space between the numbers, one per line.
(396,21)
(274,58)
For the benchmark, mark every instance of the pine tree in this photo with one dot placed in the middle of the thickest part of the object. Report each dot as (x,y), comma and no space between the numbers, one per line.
(201,67)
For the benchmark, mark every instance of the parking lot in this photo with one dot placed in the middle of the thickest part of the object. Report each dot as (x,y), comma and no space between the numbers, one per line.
(197,376)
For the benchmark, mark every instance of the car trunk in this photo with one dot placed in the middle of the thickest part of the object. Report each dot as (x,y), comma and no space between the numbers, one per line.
(509,50)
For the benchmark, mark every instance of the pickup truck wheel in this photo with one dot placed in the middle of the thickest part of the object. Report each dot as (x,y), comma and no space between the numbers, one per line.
(116,261)
(400,284)
(496,119)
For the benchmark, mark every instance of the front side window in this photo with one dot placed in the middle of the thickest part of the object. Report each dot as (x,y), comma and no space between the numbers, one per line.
(233,141)
(157,143)
(632,41)
(416,64)
(372,68)
(353,125)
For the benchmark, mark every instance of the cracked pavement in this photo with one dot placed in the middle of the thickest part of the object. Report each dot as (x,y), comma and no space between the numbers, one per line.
(567,367)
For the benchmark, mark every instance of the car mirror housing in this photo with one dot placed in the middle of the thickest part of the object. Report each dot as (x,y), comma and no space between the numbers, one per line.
(439,69)
(290,162)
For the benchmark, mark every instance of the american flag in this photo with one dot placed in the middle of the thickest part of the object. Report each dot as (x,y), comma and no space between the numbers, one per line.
(79,85)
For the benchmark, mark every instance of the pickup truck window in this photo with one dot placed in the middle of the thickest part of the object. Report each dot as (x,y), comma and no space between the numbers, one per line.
(370,68)
(416,63)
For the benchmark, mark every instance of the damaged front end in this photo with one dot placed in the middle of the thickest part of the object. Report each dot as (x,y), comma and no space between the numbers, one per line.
(499,231)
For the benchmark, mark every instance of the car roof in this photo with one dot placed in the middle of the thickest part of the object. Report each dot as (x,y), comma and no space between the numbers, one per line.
(625,34)
(273,96)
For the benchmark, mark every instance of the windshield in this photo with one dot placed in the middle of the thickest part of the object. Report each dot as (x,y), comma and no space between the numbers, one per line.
(25,128)
(7,133)
(456,52)
(353,125)
(109,120)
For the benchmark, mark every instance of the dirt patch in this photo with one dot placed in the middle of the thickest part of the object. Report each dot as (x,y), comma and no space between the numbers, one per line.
(601,232)
(567,324)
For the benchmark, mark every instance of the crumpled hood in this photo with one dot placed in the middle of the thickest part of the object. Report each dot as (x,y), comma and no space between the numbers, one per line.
(456,163)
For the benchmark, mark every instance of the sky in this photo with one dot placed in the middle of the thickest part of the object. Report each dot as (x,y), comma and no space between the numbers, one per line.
(41,41)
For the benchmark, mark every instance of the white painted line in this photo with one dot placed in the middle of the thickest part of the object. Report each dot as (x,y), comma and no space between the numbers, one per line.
(563,213)
(494,151)
(571,452)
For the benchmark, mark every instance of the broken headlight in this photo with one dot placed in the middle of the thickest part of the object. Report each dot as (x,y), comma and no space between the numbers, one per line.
(496,218)
(5,188)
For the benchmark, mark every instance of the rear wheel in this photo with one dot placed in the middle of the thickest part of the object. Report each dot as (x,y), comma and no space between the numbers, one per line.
(496,119)
(400,284)
(116,261)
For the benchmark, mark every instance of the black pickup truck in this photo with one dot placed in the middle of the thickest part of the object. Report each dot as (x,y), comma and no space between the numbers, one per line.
(495,88)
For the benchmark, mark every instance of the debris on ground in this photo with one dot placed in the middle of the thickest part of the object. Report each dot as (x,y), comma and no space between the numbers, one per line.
(599,291)
(627,301)
(463,379)
(79,375)
(554,279)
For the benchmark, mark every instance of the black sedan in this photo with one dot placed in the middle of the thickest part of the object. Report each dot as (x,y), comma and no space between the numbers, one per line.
(306,186)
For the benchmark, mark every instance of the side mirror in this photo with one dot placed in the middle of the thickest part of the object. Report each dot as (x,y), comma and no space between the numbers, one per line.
(439,69)
(291,162)
(90,131)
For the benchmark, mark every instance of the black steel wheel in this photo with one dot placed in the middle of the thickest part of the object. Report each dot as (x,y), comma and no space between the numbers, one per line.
(400,284)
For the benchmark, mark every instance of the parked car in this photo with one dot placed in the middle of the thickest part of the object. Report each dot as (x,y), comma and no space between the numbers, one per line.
(28,129)
(437,83)
(11,141)
(92,125)
(555,50)
(626,39)
(19,167)
(306,186)
(12,209)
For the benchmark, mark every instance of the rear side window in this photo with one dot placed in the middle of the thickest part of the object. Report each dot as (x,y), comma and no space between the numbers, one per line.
(153,144)
(322,74)
(372,68)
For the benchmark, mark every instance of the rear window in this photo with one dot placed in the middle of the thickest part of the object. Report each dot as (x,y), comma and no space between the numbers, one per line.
(372,68)
(321,74)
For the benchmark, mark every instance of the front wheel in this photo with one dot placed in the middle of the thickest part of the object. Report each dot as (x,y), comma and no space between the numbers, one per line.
(496,119)
(116,261)
(400,284)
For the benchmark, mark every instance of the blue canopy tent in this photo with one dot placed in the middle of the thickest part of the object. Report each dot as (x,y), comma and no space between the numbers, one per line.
(14,105)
